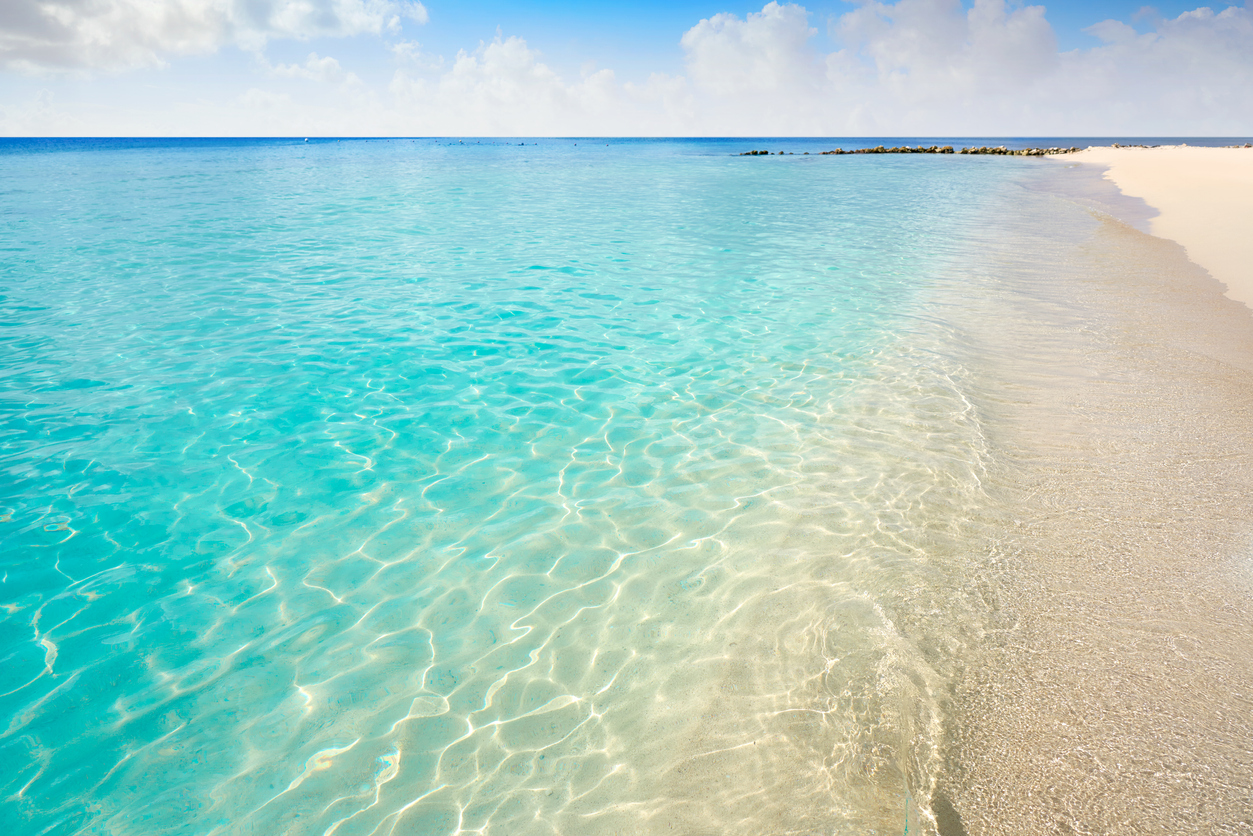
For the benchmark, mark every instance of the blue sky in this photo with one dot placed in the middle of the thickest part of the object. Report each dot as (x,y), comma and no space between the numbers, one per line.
(399,67)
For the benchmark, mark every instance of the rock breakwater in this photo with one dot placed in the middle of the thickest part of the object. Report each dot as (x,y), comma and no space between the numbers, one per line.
(999,150)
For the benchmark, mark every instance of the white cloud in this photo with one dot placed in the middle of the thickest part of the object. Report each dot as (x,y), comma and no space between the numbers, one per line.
(503,88)
(764,52)
(409,54)
(918,67)
(413,10)
(57,35)
(928,66)
(909,68)
(1192,74)
(934,67)
(325,70)
(1112,32)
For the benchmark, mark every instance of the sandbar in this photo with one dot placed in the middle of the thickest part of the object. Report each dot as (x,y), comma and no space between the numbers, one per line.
(1204,197)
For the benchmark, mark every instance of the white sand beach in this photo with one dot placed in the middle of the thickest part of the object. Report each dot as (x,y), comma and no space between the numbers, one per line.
(1117,699)
(1204,197)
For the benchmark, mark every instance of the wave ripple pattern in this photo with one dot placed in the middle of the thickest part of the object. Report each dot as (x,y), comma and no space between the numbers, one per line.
(388,487)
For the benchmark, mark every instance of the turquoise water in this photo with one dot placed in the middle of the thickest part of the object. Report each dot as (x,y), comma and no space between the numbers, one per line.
(394,487)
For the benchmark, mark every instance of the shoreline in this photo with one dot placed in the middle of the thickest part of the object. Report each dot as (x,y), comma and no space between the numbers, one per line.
(1114,379)
(1203,197)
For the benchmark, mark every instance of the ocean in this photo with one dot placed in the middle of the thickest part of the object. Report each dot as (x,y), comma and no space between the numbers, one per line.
(599,486)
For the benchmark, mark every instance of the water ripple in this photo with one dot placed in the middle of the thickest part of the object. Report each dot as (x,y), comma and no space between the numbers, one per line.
(371,491)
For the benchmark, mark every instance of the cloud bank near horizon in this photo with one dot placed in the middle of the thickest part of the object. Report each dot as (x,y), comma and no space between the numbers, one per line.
(913,67)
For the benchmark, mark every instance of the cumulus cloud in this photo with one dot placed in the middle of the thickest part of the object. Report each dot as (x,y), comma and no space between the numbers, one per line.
(905,67)
(926,47)
(54,35)
(940,67)
(763,52)
(1192,74)
(911,67)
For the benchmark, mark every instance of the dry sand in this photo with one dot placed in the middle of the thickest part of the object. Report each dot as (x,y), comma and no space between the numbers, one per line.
(1204,197)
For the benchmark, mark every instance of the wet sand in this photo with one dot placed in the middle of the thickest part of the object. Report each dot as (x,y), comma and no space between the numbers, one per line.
(1118,695)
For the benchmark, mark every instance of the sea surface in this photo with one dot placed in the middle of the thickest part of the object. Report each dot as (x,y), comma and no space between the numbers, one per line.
(528,487)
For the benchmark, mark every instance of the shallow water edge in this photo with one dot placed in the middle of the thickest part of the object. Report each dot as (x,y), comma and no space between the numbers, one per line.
(1121,388)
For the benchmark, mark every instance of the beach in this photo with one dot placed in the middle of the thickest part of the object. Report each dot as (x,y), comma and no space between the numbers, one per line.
(1204,200)
(1119,695)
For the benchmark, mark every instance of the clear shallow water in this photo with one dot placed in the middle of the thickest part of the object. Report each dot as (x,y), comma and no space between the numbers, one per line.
(383,487)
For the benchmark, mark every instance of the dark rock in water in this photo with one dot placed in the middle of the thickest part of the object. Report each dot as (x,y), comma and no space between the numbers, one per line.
(999,150)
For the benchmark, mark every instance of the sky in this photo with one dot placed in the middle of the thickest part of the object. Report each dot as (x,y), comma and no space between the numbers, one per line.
(648,68)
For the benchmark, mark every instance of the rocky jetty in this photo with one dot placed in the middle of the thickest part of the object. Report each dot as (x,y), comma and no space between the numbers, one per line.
(902,149)
(1018,152)
(999,150)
